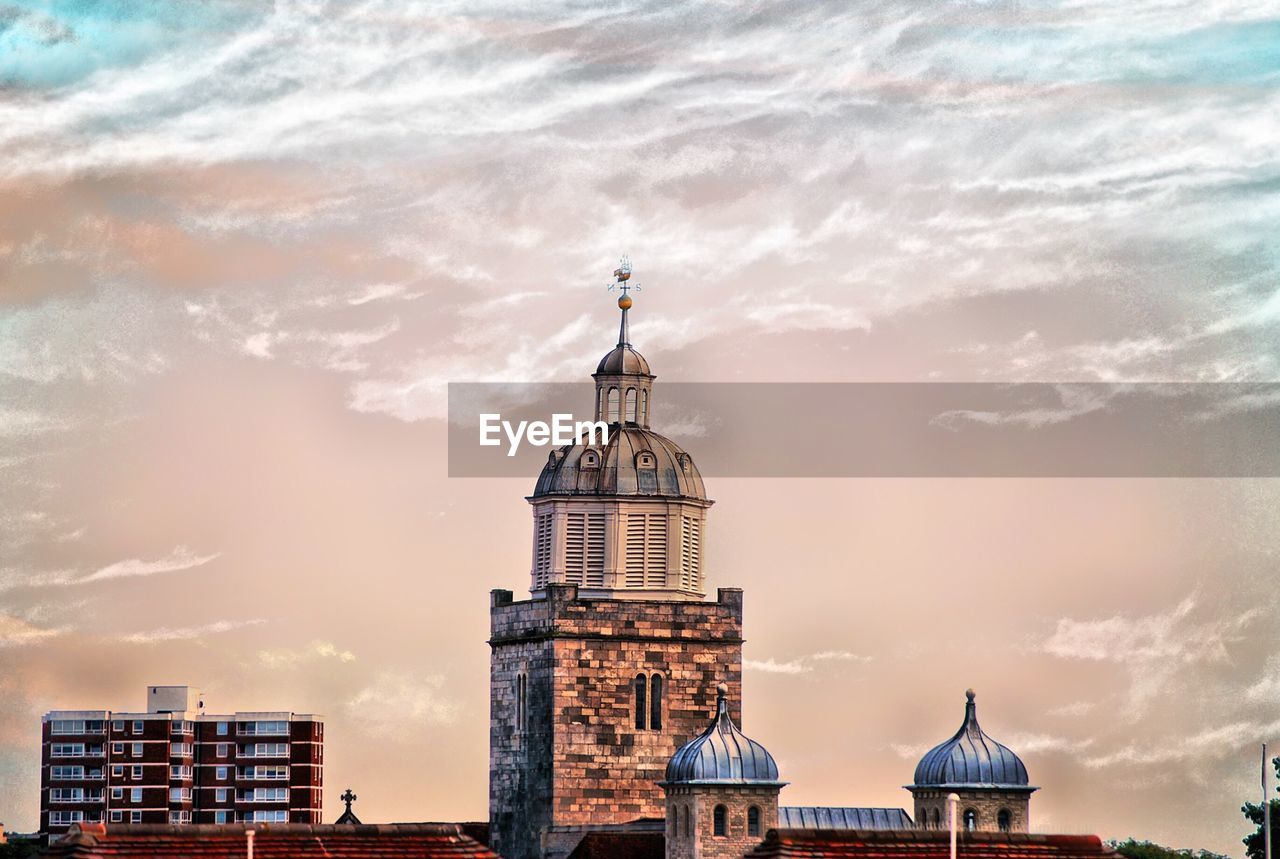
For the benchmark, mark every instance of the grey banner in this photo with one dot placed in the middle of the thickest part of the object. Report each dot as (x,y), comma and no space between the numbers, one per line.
(909,429)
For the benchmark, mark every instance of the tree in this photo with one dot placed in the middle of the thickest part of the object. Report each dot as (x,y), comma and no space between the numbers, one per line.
(1253,813)
(1134,849)
(19,849)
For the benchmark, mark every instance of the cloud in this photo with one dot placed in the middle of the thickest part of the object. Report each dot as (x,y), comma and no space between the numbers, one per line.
(803,664)
(1153,648)
(1075,708)
(16,632)
(181,558)
(186,633)
(396,700)
(1217,743)
(317,650)
(1266,689)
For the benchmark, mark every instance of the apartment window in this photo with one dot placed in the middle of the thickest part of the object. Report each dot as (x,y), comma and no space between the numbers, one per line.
(640,685)
(221,774)
(117,771)
(267,817)
(135,794)
(65,773)
(222,729)
(719,821)
(66,818)
(219,817)
(181,726)
(117,748)
(179,794)
(220,795)
(117,725)
(179,817)
(180,771)
(66,794)
(67,750)
(135,817)
(138,725)
(135,773)
(67,726)
(265,750)
(95,773)
(263,794)
(137,750)
(222,749)
(117,793)
(277,773)
(117,816)
(263,728)
(753,821)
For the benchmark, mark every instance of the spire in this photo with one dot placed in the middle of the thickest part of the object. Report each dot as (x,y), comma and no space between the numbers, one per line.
(622,277)
(970,725)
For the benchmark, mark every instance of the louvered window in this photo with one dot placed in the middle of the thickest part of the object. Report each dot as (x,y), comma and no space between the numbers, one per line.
(690,553)
(646,562)
(542,550)
(584,549)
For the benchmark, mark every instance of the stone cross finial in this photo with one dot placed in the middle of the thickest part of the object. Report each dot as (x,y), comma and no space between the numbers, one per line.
(348,797)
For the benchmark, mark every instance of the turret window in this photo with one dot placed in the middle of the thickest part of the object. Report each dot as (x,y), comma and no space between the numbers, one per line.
(541,549)
(720,822)
(970,820)
(631,414)
(612,414)
(642,712)
(690,553)
(1004,820)
(655,703)
(584,549)
(646,551)
(753,821)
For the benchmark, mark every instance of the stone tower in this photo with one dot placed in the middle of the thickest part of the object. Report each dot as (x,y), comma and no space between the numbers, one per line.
(722,792)
(610,665)
(991,781)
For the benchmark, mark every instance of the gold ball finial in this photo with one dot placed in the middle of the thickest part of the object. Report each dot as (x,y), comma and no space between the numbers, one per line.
(624,301)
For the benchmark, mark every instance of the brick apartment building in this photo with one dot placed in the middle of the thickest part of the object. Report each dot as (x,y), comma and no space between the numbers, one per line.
(174,763)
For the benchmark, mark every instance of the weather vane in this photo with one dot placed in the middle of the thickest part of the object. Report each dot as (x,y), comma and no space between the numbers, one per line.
(622,281)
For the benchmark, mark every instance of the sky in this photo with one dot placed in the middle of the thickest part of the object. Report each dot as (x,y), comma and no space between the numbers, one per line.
(244,247)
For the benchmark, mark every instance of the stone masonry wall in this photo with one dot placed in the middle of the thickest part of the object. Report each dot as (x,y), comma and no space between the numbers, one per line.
(697,805)
(582,760)
(986,803)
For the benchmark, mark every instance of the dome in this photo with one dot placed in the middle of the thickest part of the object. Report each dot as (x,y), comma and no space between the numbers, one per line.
(623,360)
(636,461)
(722,754)
(971,759)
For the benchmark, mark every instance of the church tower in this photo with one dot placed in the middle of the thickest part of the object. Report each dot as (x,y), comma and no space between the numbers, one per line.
(612,663)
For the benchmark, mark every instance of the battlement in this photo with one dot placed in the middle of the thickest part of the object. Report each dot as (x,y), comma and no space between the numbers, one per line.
(563,614)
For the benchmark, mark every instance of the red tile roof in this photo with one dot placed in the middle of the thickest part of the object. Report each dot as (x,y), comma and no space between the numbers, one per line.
(926,844)
(271,841)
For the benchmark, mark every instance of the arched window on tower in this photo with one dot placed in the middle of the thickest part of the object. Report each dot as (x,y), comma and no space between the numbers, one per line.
(937,821)
(753,821)
(673,819)
(631,405)
(611,413)
(688,827)
(641,711)
(655,702)
(970,820)
(720,821)
(1004,820)
(644,407)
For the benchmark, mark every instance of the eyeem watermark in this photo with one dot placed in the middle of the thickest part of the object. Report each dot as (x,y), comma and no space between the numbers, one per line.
(562,430)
